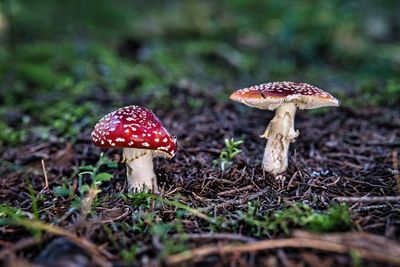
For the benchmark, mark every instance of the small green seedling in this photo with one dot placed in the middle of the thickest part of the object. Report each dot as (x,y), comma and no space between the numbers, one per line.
(63,190)
(97,177)
(89,191)
(228,153)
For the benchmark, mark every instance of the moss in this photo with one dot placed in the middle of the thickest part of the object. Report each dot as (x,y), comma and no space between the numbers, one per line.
(297,215)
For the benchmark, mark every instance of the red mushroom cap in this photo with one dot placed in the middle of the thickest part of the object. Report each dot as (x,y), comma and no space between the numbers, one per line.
(272,95)
(133,127)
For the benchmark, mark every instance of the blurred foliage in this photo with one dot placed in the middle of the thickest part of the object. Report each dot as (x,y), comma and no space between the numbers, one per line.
(47,19)
(65,63)
(389,95)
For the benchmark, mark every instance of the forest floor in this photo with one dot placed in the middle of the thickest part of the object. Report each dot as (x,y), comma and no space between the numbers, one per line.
(341,176)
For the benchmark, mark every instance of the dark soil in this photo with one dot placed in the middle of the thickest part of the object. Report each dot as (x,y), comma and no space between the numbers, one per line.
(342,152)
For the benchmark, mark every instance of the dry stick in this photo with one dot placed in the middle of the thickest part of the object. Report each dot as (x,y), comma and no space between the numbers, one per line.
(46,181)
(224,236)
(391,256)
(235,190)
(126,212)
(202,252)
(375,247)
(368,199)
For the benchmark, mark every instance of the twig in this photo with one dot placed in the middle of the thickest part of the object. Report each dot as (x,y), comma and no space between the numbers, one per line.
(46,181)
(368,199)
(126,212)
(367,246)
(235,190)
(87,201)
(202,252)
(225,236)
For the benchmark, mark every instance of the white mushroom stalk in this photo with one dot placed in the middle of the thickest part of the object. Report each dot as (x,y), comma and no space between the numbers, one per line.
(284,98)
(280,133)
(139,170)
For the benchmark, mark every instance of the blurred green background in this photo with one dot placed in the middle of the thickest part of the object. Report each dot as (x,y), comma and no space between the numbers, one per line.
(63,64)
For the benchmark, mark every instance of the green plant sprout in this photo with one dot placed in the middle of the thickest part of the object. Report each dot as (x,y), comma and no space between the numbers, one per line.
(228,153)
(97,177)
(88,192)
(63,190)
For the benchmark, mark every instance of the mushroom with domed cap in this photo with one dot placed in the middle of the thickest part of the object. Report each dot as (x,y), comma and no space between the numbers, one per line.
(284,97)
(141,135)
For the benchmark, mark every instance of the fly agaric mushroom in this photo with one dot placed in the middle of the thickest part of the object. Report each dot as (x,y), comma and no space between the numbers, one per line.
(141,135)
(285,97)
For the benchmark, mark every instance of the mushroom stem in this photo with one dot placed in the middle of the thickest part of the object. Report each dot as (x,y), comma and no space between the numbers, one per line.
(280,133)
(139,170)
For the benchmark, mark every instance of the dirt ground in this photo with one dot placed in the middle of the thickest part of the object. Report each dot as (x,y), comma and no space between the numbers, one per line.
(342,152)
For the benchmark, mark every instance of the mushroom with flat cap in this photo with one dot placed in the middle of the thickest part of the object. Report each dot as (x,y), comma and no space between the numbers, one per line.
(142,136)
(284,97)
